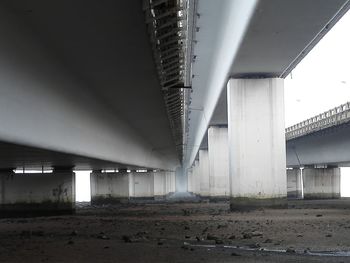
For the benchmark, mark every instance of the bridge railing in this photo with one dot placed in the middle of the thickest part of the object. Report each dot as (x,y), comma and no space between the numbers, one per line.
(333,117)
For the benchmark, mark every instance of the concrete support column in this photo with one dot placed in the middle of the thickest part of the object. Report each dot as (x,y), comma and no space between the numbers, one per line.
(159,179)
(196,183)
(43,193)
(170,181)
(321,183)
(294,186)
(257,154)
(218,161)
(190,180)
(204,173)
(109,188)
(143,185)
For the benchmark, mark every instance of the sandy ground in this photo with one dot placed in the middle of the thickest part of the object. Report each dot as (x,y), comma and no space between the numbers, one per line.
(198,232)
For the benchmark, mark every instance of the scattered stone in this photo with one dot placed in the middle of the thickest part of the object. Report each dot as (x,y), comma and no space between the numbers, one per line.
(277,243)
(268,240)
(257,234)
(205,230)
(299,235)
(257,245)
(211,237)
(184,247)
(290,250)
(247,236)
(126,239)
(104,237)
(234,254)
(186,212)
(232,237)
(38,233)
(219,241)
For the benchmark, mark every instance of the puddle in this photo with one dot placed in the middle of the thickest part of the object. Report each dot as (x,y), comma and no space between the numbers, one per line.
(262,249)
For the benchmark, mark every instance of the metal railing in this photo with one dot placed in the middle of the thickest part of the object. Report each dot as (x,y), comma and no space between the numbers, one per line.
(333,117)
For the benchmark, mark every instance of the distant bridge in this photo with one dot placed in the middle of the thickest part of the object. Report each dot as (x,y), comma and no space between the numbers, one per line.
(321,140)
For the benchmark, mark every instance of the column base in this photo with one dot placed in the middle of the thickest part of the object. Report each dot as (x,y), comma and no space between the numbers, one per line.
(294,194)
(101,200)
(218,198)
(247,203)
(317,196)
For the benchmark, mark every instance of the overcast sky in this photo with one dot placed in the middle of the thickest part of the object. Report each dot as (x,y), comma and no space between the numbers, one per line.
(321,81)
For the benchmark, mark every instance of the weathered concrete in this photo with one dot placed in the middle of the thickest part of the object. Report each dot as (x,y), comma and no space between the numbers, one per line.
(109,187)
(218,161)
(159,188)
(294,185)
(257,157)
(170,182)
(204,173)
(142,185)
(44,193)
(190,180)
(321,183)
(196,178)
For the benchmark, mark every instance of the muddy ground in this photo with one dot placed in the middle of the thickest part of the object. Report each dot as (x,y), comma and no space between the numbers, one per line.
(192,232)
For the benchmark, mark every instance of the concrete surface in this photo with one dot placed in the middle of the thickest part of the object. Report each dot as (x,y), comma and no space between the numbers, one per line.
(218,161)
(256,140)
(109,187)
(294,183)
(321,183)
(37,193)
(204,173)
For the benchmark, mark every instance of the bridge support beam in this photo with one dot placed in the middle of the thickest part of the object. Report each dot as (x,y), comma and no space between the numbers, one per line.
(204,173)
(257,156)
(37,193)
(218,162)
(321,183)
(294,186)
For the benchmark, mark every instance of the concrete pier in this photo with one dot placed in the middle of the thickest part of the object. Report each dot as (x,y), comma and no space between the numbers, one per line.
(204,173)
(160,191)
(257,156)
(218,162)
(321,183)
(37,193)
(294,185)
(170,182)
(196,178)
(108,188)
